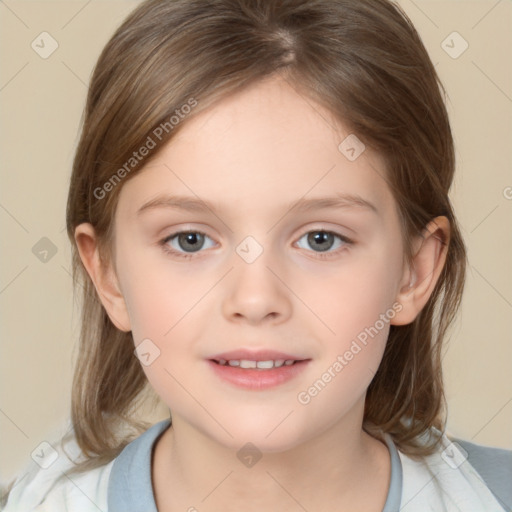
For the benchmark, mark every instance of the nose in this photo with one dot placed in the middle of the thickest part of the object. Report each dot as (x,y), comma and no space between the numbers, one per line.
(256,292)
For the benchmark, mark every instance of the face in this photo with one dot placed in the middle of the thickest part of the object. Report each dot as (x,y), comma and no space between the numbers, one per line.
(265,272)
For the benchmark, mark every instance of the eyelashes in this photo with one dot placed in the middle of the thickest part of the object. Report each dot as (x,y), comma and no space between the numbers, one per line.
(189,237)
(314,239)
(173,243)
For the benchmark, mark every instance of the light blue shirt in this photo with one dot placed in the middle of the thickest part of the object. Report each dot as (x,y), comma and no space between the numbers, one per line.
(130,486)
(457,477)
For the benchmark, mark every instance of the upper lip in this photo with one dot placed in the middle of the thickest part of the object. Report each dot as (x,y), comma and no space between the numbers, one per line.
(255,355)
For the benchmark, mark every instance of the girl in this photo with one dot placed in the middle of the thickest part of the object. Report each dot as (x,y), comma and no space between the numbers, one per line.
(304,148)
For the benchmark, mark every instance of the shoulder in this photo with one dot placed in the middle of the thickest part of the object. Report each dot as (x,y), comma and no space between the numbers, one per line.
(459,475)
(47,486)
(494,465)
(130,483)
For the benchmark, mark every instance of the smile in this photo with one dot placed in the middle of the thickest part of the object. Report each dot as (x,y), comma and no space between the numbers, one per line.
(255,375)
(262,365)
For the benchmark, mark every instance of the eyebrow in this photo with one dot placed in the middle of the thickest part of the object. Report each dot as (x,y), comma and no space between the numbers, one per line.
(193,204)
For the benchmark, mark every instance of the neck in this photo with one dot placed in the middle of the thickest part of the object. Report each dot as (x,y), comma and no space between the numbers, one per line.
(339,466)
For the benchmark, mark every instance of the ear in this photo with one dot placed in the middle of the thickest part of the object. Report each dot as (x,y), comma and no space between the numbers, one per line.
(419,278)
(103,276)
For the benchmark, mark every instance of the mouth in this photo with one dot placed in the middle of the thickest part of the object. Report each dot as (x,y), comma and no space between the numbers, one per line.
(257,370)
(260,365)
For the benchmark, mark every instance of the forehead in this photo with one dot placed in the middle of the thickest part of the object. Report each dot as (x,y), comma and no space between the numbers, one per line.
(264,147)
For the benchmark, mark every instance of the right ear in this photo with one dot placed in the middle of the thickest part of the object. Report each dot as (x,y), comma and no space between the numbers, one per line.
(104,278)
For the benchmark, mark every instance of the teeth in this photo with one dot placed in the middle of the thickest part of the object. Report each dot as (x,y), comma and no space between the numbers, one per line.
(247,364)
(263,365)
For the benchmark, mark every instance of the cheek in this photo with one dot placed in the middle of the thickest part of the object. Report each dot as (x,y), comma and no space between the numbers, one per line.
(164,312)
(355,295)
(358,311)
(158,295)
(166,307)
(356,304)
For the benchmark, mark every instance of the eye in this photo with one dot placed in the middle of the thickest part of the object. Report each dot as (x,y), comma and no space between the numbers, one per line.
(184,243)
(322,241)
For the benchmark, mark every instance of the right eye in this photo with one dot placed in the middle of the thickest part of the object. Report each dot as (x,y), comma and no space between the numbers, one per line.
(184,244)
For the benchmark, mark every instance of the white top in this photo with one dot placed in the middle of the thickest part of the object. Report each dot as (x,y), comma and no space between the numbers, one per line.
(445,481)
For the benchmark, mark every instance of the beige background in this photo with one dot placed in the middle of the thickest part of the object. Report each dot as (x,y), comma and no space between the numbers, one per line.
(41,102)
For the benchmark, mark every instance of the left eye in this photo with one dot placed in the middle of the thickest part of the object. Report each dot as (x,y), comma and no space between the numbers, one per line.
(324,240)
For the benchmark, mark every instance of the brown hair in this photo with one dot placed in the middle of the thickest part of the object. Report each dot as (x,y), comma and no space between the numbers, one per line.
(364,61)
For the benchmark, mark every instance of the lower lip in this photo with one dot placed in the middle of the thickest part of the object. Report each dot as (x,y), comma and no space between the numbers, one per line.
(257,379)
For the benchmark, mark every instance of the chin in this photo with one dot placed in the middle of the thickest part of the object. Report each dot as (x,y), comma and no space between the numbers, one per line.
(267,434)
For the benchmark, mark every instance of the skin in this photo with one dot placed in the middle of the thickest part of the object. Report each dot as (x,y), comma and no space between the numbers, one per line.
(253,154)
